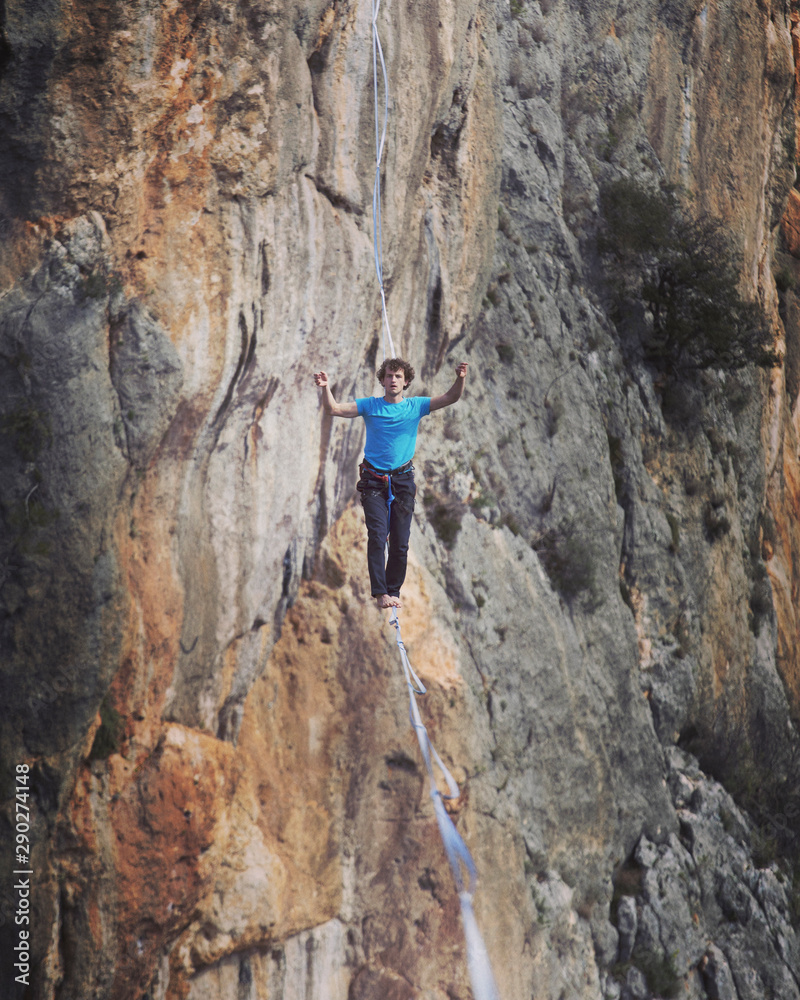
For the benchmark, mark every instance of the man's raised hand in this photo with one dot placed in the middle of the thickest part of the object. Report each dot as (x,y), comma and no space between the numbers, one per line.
(453,394)
(329,404)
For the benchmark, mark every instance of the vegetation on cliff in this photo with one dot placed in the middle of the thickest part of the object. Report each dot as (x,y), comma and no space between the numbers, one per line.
(675,283)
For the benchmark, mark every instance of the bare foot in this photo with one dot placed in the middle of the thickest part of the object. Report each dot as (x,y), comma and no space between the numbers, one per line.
(387,601)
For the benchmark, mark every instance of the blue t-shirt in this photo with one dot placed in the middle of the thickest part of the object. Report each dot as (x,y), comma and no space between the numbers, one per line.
(392,429)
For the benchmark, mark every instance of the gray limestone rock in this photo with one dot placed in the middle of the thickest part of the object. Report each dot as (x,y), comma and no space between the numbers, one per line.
(717,976)
(705,887)
(627,923)
(635,987)
(63,475)
(147,375)
(595,573)
(606,939)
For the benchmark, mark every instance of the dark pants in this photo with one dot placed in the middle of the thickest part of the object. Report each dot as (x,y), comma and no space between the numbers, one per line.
(386,575)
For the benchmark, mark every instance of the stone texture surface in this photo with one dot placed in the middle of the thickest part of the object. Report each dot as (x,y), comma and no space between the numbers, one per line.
(229,801)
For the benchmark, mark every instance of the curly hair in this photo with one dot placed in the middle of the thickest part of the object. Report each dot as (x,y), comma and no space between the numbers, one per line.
(394,365)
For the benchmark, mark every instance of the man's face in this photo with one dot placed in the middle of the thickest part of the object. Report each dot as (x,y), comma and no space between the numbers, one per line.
(394,381)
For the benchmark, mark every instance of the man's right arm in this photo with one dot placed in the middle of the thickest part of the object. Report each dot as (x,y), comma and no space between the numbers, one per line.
(329,404)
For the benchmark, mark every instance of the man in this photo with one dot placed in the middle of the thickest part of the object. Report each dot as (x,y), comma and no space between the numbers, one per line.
(387,485)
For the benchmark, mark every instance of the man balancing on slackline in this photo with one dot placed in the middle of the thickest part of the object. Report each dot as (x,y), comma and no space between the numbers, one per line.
(386,471)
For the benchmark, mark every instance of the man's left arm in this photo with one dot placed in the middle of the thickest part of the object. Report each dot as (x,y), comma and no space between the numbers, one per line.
(453,394)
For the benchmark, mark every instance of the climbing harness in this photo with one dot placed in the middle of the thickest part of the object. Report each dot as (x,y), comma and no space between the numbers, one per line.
(382,478)
(465,874)
(463,868)
(380,139)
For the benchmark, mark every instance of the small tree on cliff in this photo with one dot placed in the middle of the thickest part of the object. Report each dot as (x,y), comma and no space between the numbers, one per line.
(685,274)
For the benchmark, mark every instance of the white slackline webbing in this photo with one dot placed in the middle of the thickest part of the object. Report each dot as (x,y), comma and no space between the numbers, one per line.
(380,139)
(465,874)
(463,867)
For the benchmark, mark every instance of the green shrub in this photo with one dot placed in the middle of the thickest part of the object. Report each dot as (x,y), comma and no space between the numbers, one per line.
(504,222)
(568,561)
(761,605)
(685,273)
(785,280)
(108,737)
(444,517)
(486,499)
(628,879)
(30,430)
(716,521)
(98,284)
(659,971)
(764,780)
(675,532)
(510,522)
(24,521)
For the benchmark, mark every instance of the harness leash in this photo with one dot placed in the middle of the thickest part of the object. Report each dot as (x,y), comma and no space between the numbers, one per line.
(465,874)
(389,494)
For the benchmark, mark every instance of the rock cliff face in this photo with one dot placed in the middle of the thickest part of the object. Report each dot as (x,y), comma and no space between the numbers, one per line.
(603,589)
